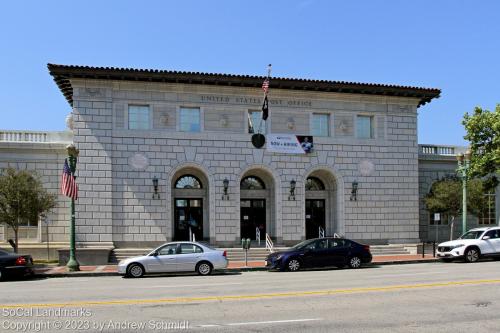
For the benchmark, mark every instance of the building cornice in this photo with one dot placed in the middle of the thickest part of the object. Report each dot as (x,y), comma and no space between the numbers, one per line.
(63,74)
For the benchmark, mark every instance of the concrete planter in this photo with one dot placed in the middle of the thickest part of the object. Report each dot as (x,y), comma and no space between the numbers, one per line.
(86,256)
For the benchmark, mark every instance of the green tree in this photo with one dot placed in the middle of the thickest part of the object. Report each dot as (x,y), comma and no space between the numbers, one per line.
(477,202)
(445,196)
(22,198)
(483,133)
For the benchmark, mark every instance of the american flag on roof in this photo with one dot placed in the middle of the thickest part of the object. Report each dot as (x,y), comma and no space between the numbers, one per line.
(69,187)
(265,85)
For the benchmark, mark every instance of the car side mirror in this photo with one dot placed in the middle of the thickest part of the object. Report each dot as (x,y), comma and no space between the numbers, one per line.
(154,254)
(486,237)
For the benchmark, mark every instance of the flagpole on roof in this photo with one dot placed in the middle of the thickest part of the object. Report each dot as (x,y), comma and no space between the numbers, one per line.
(258,139)
(266,90)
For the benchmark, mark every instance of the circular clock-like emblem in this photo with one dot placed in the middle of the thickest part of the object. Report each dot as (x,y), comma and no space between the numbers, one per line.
(138,161)
(258,140)
(366,167)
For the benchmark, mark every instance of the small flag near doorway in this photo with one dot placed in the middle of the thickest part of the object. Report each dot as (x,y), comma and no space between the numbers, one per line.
(69,187)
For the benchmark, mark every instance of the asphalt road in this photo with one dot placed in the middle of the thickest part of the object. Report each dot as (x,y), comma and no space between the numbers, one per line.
(430,297)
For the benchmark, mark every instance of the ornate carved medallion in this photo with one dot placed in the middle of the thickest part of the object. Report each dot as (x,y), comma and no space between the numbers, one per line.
(138,161)
(366,167)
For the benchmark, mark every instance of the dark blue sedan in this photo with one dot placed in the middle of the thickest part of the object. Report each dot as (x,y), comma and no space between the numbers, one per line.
(321,252)
(13,264)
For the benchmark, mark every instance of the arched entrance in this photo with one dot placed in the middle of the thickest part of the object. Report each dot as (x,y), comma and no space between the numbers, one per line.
(256,204)
(190,205)
(320,204)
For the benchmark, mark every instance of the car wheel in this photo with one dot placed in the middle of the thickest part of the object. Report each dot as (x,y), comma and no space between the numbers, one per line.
(204,268)
(472,255)
(135,271)
(293,265)
(1,275)
(355,262)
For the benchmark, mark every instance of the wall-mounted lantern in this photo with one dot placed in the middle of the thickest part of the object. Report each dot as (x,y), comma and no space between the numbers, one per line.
(225,182)
(156,195)
(292,190)
(354,191)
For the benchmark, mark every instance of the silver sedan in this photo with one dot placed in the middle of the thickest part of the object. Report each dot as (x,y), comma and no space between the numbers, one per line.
(175,257)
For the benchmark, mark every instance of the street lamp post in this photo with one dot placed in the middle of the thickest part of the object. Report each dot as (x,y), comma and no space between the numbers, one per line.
(463,169)
(72,264)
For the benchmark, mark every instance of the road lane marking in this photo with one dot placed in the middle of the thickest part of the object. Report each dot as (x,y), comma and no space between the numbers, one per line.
(254,296)
(408,274)
(273,322)
(56,288)
(192,285)
(261,322)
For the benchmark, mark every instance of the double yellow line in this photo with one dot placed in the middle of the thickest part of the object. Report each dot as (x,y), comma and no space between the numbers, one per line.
(255,296)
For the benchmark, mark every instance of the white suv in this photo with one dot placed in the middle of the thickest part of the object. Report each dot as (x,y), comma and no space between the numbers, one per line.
(474,244)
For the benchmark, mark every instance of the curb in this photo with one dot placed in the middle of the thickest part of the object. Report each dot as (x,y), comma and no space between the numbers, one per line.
(403,262)
(227,270)
(75,274)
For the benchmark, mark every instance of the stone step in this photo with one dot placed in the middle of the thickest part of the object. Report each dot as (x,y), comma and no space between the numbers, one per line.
(119,254)
(254,254)
(387,247)
(386,253)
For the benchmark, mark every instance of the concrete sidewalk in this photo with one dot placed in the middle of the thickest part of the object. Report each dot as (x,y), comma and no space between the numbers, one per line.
(234,266)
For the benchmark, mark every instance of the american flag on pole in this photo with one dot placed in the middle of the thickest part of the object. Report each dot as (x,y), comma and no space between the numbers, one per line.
(265,86)
(68,183)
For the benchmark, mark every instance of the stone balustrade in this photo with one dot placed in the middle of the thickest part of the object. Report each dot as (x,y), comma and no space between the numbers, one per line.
(35,136)
(440,150)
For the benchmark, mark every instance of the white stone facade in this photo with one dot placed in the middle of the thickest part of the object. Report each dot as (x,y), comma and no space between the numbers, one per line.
(43,153)
(435,163)
(117,165)
(116,202)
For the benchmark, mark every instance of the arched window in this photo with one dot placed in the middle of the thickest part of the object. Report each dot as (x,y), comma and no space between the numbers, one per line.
(188,182)
(314,184)
(252,183)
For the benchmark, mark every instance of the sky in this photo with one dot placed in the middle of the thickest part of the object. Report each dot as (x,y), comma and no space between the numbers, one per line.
(453,45)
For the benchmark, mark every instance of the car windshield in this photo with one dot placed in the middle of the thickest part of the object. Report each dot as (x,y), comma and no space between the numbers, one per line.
(302,245)
(473,234)
(3,253)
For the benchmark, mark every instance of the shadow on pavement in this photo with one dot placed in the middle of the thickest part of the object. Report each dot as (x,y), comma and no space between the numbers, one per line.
(336,269)
(159,275)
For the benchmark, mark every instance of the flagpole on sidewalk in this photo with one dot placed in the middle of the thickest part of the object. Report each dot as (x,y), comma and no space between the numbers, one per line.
(72,264)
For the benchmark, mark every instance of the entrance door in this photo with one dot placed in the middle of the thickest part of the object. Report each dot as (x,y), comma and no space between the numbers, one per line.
(315,217)
(188,213)
(253,216)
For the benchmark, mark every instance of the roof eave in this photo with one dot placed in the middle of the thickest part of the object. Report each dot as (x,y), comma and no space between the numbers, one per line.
(63,74)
